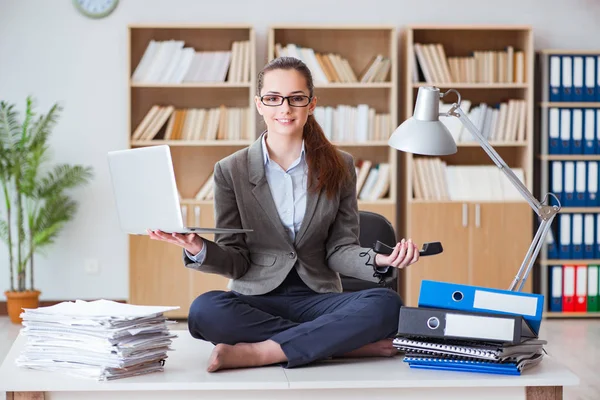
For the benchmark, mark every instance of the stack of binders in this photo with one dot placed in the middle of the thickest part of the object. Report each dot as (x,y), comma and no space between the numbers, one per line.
(471,329)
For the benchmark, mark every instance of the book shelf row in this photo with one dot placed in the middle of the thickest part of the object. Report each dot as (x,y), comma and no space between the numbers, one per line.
(574,77)
(345,123)
(501,122)
(168,61)
(575,183)
(484,66)
(574,288)
(372,180)
(433,179)
(218,123)
(574,236)
(573,130)
(331,67)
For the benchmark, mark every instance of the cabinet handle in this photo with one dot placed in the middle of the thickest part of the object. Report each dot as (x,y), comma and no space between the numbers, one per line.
(477,215)
(465,215)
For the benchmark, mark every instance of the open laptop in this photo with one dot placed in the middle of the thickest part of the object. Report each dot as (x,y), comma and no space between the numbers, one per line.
(146,193)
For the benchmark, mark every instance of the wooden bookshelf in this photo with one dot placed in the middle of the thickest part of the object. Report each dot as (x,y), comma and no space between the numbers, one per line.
(157,275)
(546,159)
(359,45)
(484,239)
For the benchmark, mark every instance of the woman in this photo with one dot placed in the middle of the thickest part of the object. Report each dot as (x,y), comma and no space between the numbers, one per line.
(298,194)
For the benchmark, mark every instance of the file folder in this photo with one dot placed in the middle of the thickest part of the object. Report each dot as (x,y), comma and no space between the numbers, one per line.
(568,288)
(551,244)
(588,236)
(576,145)
(592,289)
(598,130)
(597,78)
(567,78)
(577,236)
(479,366)
(581,288)
(556,273)
(597,251)
(555,92)
(435,294)
(592,184)
(569,183)
(461,325)
(554,142)
(589,131)
(564,226)
(578,78)
(580,184)
(565,131)
(589,92)
(556,185)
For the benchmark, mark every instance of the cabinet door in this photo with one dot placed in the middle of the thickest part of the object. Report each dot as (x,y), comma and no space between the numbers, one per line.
(500,237)
(201,282)
(157,275)
(438,222)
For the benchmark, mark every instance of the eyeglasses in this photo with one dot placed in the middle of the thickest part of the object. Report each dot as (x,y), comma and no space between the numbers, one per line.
(273,100)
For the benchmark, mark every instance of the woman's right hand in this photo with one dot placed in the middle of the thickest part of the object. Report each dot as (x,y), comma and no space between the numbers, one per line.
(190,241)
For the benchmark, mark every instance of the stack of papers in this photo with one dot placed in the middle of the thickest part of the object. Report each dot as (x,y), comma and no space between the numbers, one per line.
(101,339)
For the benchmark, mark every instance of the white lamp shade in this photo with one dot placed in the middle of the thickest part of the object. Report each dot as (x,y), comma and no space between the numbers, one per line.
(430,138)
(424,133)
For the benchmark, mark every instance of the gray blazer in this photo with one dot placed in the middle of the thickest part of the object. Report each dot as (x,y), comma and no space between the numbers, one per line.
(257,262)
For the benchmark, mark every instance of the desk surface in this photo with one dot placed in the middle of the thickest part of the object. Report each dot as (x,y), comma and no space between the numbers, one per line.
(185,369)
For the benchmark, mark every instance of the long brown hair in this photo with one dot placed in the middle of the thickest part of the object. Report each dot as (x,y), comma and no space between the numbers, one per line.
(324,160)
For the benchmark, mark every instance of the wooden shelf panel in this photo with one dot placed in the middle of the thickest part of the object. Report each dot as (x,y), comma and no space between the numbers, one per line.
(580,210)
(373,143)
(572,315)
(569,51)
(563,104)
(184,85)
(463,85)
(590,261)
(446,202)
(493,144)
(358,85)
(191,143)
(571,157)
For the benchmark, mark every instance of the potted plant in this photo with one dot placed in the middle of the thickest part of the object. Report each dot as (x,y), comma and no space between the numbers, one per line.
(36,203)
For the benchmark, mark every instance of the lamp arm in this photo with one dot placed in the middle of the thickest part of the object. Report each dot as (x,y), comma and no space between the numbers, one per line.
(545,212)
(533,202)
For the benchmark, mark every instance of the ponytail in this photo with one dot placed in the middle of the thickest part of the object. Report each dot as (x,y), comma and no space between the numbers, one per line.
(325,163)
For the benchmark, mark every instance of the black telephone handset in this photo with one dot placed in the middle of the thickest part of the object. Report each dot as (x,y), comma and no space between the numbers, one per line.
(429,249)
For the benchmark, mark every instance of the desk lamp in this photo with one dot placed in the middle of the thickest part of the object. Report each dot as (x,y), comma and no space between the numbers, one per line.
(424,134)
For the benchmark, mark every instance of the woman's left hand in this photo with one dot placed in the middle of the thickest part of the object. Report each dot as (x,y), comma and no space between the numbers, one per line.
(405,253)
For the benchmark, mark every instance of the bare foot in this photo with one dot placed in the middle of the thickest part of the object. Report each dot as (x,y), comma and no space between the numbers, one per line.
(241,355)
(382,348)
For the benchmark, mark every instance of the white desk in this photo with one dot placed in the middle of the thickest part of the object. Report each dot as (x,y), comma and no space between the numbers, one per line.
(185,377)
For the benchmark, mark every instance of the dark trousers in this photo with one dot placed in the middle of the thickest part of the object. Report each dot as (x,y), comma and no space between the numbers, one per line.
(308,326)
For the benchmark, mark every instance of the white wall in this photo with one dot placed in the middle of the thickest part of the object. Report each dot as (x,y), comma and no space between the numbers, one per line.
(49,50)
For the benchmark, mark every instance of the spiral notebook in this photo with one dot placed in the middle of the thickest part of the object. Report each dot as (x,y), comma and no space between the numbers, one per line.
(491,367)
(468,350)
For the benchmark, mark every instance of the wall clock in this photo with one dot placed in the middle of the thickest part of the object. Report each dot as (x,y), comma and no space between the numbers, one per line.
(95,8)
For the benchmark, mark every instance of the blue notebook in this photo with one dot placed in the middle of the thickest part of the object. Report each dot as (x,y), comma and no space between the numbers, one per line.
(490,367)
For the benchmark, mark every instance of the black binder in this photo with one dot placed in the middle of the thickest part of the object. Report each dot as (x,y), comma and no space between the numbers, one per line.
(463,325)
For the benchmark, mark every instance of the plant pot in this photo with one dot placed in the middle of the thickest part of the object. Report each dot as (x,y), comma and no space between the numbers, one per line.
(16,301)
